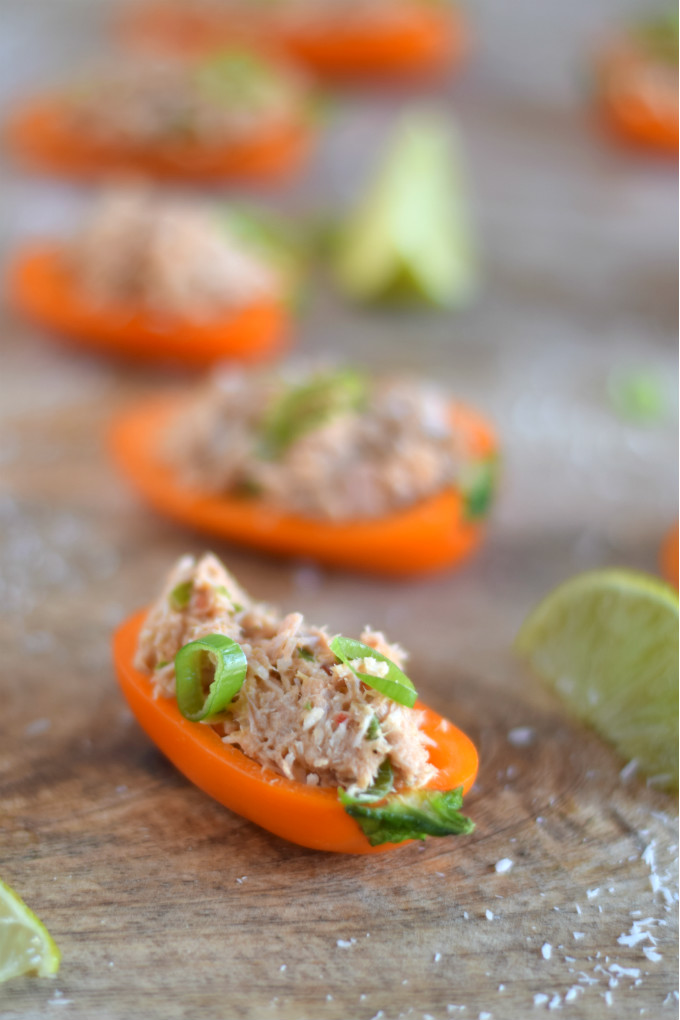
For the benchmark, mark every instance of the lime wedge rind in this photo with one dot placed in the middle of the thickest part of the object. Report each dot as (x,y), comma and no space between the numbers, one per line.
(26,946)
(607,642)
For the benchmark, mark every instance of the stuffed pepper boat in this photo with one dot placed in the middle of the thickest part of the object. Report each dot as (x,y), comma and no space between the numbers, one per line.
(318,739)
(331,38)
(233,115)
(383,475)
(637,83)
(155,278)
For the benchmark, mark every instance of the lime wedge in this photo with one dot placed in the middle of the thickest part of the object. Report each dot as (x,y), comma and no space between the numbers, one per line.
(410,236)
(607,641)
(26,946)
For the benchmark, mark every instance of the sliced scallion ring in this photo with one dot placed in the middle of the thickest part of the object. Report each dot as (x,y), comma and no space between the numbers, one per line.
(209,672)
(395,685)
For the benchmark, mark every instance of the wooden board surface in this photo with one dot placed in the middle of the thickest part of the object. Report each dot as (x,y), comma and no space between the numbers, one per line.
(164,904)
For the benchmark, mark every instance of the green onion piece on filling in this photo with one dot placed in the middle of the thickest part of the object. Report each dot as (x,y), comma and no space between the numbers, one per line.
(395,685)
(382,785)
(181,595)
(308,406)
(209,672)
(373,731)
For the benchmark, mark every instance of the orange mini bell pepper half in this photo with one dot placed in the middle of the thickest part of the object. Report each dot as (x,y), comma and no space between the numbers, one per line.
(434,533)
(423,38)
(41,134)
(637,96)
(40,288)
(309,816)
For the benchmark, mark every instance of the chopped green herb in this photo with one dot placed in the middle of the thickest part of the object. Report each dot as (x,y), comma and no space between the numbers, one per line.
(308,406)
(382,785)
(373,731)
(305,654)
(413,815)
(162,665)
(234,76)
(638,396)
(210,672)
(396,685)
(478,486)
(181,595)
(236,606)
(307,706)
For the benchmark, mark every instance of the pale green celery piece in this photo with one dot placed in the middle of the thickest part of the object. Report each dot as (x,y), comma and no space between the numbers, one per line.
(410,236)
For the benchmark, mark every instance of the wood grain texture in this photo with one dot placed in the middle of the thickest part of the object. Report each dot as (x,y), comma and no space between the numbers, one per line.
(164,904)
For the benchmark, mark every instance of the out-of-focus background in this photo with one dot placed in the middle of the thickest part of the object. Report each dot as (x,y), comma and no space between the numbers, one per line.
(577,236)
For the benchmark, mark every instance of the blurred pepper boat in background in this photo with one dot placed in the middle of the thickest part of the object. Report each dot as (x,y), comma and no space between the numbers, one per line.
(332,38)
(385,476)
(637,83)
(157,279)
(234,116)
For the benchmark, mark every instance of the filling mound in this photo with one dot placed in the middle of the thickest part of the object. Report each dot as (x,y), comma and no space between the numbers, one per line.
(327,444)
(227,97)
(300,711)
(174,258)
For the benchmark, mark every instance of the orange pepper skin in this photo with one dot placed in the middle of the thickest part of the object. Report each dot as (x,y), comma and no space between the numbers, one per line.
(430,535)
(40,134)
(669,556)
(307,815)
(423,40)
(40,289)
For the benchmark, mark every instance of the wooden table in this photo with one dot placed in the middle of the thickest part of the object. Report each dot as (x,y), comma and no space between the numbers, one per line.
(166,905)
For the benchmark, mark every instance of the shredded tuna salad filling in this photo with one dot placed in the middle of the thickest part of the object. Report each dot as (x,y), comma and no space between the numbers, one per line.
(368,448)
(173,258)
(225,97)
(299,712)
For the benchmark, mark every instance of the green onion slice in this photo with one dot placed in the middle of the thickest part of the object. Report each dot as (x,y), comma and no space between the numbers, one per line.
(396,685)
(308,406)
(209,672)
(180,596)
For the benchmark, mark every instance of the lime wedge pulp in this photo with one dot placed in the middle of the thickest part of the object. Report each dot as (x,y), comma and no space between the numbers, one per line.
(607,641)
(26,946)
(410,235)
